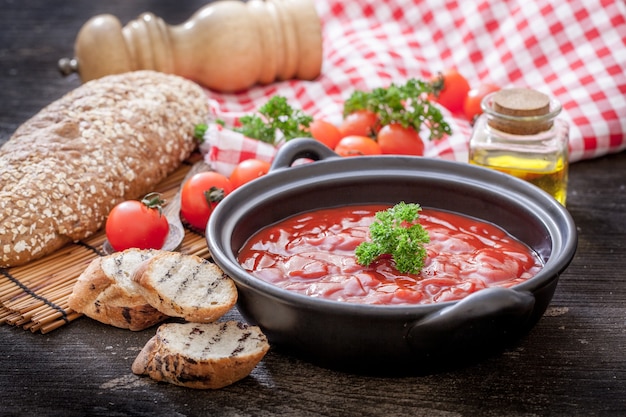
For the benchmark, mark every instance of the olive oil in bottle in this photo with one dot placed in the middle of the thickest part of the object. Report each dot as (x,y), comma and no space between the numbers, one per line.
(519,134)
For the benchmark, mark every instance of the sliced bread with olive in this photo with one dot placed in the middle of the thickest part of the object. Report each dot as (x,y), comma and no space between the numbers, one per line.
(106,292)
(186,286)
(202,355)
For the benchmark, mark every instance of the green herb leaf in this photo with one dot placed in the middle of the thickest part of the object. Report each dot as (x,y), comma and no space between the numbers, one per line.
(406,104)
(396,232)
(275,115)
(199,131)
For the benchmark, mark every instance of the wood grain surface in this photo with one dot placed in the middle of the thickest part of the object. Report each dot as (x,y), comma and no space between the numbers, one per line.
(573,363)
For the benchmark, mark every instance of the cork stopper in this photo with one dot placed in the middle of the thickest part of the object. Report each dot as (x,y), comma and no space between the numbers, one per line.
(521,111)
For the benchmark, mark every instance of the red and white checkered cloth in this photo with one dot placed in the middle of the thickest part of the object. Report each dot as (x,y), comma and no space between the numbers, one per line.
(573,50)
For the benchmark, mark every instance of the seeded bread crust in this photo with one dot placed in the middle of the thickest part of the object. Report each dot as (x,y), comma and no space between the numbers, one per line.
(186,286)
(202,355)
(108,140)
(105,292)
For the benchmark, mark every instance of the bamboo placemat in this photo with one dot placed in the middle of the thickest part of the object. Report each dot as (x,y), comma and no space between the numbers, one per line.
(34,296)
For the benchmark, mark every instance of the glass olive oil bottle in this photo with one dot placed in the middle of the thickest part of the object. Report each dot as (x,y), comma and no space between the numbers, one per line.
(519,134)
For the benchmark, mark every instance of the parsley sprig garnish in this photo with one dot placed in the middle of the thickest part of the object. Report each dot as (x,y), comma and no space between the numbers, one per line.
(407,105)
(396,232)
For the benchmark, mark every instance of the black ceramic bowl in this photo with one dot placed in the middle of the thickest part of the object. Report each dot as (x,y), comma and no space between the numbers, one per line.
(376,338)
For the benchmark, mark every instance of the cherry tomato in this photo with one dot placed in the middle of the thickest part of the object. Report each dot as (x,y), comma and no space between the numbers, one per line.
(325,132)
(454,90)
(398,140)
(137,224)
(247,171)
(199,196)
(359,123)
(471,106)
(357,145)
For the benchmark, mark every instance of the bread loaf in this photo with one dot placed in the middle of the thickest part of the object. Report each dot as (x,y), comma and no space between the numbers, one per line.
(186,286)
(109,140)
(106,292)
(202,355)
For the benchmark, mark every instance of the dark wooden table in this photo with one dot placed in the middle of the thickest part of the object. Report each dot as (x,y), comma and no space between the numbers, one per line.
(573,363)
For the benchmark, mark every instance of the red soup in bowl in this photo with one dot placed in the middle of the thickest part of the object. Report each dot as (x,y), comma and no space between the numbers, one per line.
(313,253)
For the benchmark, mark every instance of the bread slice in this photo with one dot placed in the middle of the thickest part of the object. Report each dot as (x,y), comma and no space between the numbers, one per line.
(202,355)
(186,286)
(106,292)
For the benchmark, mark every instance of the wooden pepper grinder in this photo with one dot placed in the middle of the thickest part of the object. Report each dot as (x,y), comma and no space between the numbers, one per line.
(226,46)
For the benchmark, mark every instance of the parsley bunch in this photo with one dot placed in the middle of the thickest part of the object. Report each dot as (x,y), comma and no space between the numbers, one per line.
(396,232)
(406,104)
(275,115)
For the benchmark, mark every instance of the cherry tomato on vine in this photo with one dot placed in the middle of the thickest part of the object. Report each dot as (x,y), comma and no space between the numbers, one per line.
(247,171)
(359,123)
(137,224)
(325,132)
(398,140)
(357,146)
(471,106)
(200,195)
(453,90)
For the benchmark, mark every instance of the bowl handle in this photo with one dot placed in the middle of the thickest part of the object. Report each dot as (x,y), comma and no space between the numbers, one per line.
(301,148)
(489,314)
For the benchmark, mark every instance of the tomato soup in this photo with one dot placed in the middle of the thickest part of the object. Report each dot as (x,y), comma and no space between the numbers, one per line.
(313,253)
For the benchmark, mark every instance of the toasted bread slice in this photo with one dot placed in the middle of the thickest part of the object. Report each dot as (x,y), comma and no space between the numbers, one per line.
(186,286)
(202,355)
(106,292)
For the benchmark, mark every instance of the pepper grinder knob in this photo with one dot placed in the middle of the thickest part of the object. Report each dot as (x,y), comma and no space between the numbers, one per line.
(226,46)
